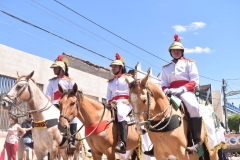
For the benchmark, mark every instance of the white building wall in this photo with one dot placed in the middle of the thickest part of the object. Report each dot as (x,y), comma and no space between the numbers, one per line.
(13,61)
(141,74)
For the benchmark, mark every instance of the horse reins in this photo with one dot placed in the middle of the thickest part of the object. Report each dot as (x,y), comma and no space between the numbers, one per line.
(77,105)
(14,100)
(148,120)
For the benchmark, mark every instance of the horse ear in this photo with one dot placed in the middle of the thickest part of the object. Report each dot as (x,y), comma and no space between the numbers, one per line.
(30,75)
(145,79)
(18,74)
(60,88)
(128,79)
(75,88)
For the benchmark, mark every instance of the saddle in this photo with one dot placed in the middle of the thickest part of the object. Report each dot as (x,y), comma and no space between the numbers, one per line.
(181,106)
(113,108)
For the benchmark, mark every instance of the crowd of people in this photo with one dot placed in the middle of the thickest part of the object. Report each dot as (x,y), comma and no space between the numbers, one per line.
(17,132)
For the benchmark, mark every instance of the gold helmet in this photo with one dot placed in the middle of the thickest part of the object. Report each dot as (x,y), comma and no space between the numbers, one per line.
(119,61)
(176,44)
(59,62)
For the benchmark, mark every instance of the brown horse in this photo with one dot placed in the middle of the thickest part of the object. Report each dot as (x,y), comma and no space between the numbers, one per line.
(46,135)
(150,104)
(91,113)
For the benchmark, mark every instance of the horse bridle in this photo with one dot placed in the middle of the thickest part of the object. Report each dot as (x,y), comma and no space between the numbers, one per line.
(13,101)
(148,120)
(65,117)
(69,120)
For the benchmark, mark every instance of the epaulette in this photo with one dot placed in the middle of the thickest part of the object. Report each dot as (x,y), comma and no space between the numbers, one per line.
(110,80)
(53,78)
(188,60)
(167,65)
(65,77)
(68,78)
(125,74)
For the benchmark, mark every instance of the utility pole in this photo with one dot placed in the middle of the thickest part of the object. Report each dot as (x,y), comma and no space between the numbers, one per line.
(224,85)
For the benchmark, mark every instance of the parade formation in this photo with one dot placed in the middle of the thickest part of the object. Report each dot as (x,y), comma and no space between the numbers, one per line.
(169,118)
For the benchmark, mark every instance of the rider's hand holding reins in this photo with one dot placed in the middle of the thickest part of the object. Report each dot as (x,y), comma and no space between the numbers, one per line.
(174,91)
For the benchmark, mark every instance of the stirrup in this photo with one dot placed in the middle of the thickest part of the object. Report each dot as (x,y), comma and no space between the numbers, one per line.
(193,149)
(149,153)
(71,148)
(120,148)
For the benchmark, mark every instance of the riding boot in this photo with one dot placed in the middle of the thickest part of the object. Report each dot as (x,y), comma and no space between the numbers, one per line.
(71,141)
(123,131)
(149,153)
(196,127)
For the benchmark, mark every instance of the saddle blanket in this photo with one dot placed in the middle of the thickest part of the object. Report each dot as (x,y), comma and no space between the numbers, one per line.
(215,138)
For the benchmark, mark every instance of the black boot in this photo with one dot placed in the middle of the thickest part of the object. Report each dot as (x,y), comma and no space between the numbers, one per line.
(123,131)
(149,153)
(196,127)
(71,141)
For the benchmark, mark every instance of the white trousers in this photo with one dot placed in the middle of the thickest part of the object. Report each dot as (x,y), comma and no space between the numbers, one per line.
(122,110)
(191,103)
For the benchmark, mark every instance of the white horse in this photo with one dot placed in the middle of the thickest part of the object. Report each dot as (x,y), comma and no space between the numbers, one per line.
(45,133)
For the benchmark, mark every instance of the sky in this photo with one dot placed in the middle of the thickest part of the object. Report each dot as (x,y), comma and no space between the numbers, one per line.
(140,31)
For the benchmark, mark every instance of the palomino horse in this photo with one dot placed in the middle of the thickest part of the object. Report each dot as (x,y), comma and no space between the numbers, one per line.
(45,133)
(94,115)
(151,105)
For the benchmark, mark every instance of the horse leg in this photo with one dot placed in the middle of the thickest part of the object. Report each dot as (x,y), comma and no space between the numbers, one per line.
(214,156)
(63,154)
(54,154)
(96,155)
(111,156)
(39,153)
(77,151)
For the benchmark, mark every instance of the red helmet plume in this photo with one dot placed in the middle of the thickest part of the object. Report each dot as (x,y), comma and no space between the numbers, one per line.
(118,57)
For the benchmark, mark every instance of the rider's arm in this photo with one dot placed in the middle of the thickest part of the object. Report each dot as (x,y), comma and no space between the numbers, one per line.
(164,80)
(194,78)
(49,92)
(109,95)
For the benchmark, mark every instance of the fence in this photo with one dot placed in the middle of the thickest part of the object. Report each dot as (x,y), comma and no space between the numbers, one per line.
(6,84)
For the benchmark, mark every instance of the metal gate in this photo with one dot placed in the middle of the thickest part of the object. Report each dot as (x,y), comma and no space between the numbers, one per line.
(6,84)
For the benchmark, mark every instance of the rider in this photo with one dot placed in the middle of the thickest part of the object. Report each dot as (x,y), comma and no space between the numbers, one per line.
(118,93)
(180,77)
(60,69)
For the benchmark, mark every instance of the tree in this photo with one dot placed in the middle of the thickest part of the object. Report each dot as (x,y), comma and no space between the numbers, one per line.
(234,122)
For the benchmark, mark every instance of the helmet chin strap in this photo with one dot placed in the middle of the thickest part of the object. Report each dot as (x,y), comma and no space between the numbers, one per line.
(58,71)
(118,71)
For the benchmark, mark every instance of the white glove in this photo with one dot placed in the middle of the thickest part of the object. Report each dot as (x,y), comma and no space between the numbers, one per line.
(175,91)
(167,91)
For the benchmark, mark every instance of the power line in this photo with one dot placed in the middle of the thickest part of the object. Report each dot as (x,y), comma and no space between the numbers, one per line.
(122,37)
(210,78)
(233,79)
(111,32)
(43,40)
(94,34)
(28,23)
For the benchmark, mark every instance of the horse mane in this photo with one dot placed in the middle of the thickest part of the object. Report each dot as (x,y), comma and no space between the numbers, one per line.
(79,94)
(20,77)
(70,93)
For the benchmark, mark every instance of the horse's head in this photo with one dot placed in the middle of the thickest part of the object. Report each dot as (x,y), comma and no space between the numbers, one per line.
(68,107)
(141,99)
(19,93)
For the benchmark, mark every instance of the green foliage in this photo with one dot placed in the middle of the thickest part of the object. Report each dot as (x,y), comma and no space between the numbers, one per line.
(234,122)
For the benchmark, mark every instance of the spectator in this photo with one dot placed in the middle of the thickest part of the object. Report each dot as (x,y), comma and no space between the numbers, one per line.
(221,154)
(11,143)
(27,138)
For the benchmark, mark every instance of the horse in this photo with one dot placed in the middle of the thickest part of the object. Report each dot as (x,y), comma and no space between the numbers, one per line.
(103,135)
(151,105)
(45,133)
